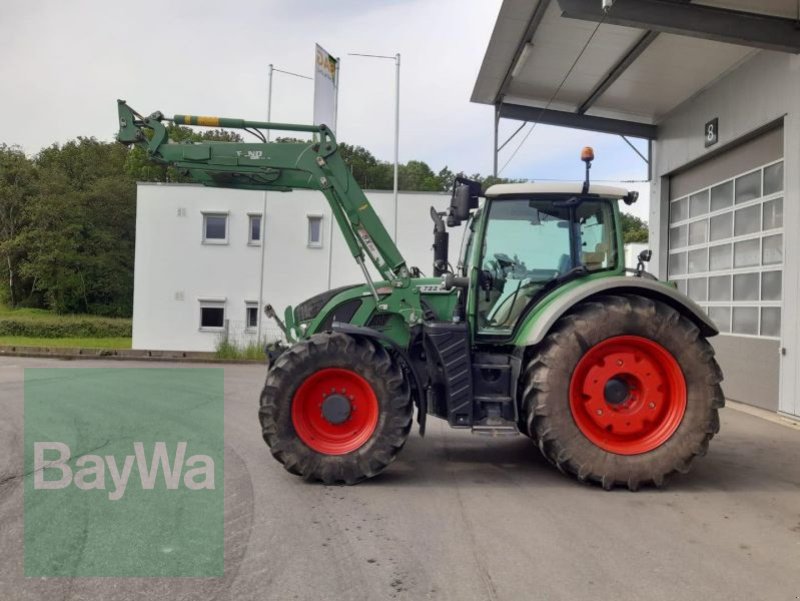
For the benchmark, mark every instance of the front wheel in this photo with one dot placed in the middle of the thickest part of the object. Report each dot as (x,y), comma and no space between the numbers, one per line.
(335,408)
(623,391)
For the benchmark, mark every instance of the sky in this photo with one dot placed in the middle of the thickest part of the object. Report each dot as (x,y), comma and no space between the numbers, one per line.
(66,62)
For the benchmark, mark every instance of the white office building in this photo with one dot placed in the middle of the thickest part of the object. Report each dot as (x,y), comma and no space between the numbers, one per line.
(198,258)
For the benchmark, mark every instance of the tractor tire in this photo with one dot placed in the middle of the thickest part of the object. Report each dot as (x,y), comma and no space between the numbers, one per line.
(335,408)
(623,392)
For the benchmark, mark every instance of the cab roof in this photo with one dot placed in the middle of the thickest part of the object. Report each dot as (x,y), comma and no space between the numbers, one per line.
(555,188)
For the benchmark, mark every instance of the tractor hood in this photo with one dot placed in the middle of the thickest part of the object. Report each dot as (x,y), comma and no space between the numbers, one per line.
(424,298)
(310,308)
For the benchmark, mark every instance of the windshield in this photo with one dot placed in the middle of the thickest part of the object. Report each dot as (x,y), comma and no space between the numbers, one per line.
(530,243)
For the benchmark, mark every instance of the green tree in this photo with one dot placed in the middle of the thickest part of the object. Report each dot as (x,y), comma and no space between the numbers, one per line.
(219,135)
(445,179)
(417,176)
(18,181)
(369,172)
(633,229)
(359,160)
(491,180)
(79,235)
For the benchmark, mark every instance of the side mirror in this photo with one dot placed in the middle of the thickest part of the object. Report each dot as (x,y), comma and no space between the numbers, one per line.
(461,202)
(644,257)
(464,198)
(631,197)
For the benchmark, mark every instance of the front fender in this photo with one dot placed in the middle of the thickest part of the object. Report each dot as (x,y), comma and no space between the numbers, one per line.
(538,322)
(417,385)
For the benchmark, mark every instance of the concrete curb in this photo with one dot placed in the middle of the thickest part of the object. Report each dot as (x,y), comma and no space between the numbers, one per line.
(781,419)
(118,355)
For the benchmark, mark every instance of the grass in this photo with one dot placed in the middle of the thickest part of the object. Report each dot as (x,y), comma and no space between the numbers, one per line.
(47,315)
(110,343)
(44,324)
(230,350)
(6,311)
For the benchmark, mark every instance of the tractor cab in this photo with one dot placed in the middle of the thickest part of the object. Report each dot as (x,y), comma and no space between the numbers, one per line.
(529,239)
(533,238)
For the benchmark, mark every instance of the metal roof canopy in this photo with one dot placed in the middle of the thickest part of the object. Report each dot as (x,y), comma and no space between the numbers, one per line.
(641,63)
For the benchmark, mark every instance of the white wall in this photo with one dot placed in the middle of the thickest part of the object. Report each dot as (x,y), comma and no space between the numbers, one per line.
(758,92)
(174,269)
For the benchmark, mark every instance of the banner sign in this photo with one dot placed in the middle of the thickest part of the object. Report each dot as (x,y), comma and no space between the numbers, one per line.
(326,88)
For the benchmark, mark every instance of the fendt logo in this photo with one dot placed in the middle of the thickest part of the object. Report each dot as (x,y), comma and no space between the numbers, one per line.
(93,469)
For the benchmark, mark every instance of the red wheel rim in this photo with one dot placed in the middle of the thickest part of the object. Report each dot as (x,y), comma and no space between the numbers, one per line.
(334,411)
(627,395)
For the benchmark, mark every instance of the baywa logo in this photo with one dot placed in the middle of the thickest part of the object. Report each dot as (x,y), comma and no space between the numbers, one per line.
(124,472)
(93,468)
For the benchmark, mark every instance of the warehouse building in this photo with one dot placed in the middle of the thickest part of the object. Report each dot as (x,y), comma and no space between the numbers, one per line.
(714,86)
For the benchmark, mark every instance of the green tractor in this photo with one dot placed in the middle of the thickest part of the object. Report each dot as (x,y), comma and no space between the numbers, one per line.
(539,329)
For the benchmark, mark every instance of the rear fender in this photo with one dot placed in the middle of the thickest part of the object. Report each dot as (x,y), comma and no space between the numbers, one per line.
(539,322)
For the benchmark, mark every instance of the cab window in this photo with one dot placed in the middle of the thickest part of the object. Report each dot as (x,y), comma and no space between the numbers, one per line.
(529,244)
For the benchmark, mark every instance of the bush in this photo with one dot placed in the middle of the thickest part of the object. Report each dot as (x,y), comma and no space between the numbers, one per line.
(74,327)
(230,350)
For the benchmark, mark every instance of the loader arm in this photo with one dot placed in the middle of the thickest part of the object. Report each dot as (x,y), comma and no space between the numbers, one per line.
(273,166)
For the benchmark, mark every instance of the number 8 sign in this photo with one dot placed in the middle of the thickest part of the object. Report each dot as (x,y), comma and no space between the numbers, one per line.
(712,132)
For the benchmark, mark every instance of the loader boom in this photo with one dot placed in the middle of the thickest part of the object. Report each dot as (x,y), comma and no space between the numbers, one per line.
(274,166)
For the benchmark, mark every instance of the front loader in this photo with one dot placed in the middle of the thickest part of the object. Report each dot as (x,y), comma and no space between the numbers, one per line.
(539,330)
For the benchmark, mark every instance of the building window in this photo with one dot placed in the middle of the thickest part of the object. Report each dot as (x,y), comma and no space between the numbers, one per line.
(212,315)
(251,316)
(726,250)
(315,231)
(215,228)
(254,229)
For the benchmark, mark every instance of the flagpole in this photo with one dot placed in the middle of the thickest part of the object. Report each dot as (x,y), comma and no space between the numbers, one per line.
(264,221)
(272,70)
(396,59)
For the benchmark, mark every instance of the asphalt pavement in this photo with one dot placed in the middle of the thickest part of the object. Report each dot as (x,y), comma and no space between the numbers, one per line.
(459,517)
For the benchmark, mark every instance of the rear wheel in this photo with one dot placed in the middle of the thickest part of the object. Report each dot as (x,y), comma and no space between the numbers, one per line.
(623,391)
(335,408)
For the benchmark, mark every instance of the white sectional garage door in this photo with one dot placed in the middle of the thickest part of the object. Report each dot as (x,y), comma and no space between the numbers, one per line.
(726,250)
(726,253)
